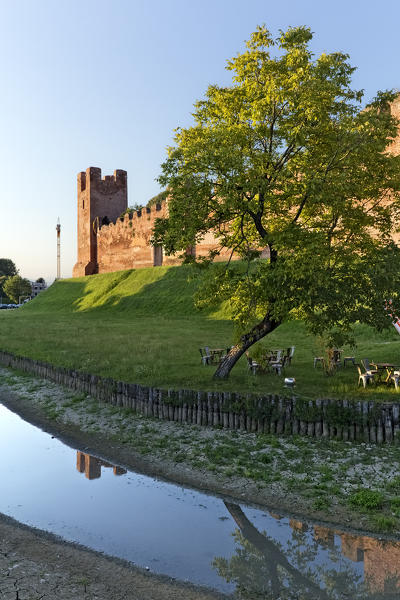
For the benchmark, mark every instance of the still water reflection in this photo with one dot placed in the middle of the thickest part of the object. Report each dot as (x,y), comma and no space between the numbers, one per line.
(184,533)
(91,466)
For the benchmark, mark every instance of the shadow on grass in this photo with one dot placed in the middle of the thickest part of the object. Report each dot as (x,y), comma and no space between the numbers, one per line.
(161,291)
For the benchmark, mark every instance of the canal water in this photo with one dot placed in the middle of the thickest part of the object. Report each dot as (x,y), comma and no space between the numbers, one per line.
(181,532)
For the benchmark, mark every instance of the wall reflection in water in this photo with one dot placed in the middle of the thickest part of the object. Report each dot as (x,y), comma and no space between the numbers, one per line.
(91,466)
(265,568)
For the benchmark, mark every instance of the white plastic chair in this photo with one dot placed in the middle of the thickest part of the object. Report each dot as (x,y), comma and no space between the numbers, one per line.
(277,364)
(289,358)
(252,364)
(395,377)
(364,377)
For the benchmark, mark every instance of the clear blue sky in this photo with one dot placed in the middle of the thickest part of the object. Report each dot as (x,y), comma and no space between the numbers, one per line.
(104,83)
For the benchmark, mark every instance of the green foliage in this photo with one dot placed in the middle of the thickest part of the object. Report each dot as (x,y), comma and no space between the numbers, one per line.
(384,523)
(321,504)
(15,287)
(288,159)
(158,199)
(3,279)
(7,268)
(394,485)
(367,499)
(131,209)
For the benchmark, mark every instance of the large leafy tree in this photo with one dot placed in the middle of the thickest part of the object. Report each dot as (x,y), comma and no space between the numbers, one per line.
(288,160)
(17,287)
(7,269)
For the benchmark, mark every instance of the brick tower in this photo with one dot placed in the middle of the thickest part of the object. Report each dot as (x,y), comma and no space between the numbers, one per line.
(100,201)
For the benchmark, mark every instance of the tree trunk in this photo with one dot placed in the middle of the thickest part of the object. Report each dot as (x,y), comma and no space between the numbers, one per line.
(246,341)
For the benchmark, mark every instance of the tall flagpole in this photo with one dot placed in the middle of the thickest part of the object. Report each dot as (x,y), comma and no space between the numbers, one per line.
(58,229)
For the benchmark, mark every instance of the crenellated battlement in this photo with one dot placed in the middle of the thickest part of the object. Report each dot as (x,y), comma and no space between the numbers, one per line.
(148,212)
(126,242)
(104,184)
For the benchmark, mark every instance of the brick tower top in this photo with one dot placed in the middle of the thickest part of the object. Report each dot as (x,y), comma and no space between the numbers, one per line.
(92,177)
(100,201)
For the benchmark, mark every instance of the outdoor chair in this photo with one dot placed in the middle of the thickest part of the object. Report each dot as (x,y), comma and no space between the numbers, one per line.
(365,378)
(289,354)
(319,360)
(395,377)
(277,363)
(252,364)
(367,366)
(347,359)
(206,357)
(213,357)
(273,355)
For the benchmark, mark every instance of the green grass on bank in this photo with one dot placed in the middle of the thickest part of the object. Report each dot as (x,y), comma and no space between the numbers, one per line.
(141,326)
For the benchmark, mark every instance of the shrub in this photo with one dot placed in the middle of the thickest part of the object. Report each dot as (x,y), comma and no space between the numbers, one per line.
(386,523)
(394,484)
(368,499)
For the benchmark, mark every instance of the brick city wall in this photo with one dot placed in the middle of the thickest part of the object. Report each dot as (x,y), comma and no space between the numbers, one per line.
(108,242)
(126,244)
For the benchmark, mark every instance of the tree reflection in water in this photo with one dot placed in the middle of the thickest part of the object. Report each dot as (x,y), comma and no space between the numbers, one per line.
(263,570)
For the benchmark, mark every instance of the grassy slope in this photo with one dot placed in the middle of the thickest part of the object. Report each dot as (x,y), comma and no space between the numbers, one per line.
(142,326)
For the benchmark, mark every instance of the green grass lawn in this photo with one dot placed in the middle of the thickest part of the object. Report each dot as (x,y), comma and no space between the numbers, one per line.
(141,326)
